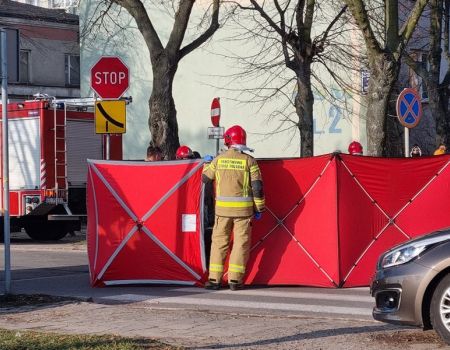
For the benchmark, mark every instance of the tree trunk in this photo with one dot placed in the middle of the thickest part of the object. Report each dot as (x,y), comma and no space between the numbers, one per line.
(437,94)
(304,102)
(383,74)
(438,101)
(163,115)
(394,131)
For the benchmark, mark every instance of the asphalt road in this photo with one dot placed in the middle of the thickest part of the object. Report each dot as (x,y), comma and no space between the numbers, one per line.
(61,269)
(270,317)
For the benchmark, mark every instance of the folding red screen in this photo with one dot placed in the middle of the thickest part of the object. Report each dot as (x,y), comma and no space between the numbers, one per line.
(328,218)
(295,242)
(383,202)
(144,223)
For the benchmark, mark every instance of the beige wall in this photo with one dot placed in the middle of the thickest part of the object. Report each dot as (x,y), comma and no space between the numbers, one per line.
(201,76)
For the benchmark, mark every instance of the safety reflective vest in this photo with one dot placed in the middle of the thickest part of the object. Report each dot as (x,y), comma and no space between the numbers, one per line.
(239,190)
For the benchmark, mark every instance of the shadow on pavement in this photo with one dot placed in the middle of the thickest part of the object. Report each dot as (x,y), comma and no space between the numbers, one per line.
(322,333)
(23,239)
(45,272)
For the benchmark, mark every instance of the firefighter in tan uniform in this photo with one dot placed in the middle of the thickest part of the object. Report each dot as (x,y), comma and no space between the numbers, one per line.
(239,197)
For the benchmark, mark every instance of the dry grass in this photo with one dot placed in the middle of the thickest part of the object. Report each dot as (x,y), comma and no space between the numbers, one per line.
(27,340)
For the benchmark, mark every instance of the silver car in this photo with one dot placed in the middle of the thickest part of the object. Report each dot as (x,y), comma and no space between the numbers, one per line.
(412,284)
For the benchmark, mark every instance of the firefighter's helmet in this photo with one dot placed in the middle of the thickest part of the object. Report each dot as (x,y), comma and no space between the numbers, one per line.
(235,135)
(355,148)
(184,152)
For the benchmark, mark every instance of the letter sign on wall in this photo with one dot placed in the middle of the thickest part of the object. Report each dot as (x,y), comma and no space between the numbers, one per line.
(109,77)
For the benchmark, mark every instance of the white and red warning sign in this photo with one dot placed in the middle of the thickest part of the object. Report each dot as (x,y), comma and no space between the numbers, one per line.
(215,112)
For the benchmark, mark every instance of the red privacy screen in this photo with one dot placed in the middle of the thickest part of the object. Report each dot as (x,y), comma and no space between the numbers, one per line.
(328,218)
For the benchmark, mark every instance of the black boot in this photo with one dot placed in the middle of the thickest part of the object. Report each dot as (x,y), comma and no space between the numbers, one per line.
(234,285)
(212,285)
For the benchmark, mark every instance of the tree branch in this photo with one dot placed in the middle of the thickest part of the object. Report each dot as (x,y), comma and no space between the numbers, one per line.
(214,25)
(137,10)
(309,17)
(320,42)
(179,26)
(409,25)
(361,17)
(267,18)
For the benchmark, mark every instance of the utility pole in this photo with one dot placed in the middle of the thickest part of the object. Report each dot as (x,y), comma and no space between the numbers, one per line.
(5,175)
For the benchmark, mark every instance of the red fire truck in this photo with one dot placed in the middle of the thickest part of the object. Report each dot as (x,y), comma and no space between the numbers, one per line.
(49,142)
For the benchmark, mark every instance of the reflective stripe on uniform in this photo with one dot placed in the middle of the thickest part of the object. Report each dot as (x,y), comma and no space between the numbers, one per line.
(259,201)
(216,267)
(254,169)
(217,183)
(245,185)
(234,204)
(236,268)
(234,199)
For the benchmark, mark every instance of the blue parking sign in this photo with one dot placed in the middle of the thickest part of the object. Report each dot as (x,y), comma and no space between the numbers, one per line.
(409,108)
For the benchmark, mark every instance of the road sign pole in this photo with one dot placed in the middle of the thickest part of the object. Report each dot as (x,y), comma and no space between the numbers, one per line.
(215,118)
(406,142)
(5,175)
(108,140)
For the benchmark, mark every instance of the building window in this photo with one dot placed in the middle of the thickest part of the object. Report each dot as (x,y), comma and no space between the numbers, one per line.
(417,82)
(72,69)
(24,66)
(62,4)
(423,90)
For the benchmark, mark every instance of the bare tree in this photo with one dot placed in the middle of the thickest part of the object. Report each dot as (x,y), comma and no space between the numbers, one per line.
(437,88)
(285,32)
(164,59)
(384,58)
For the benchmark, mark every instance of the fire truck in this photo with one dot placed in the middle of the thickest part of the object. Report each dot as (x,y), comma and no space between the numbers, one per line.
(49,142)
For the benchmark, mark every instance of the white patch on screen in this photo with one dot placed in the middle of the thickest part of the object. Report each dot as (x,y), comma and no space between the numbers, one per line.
(188,223)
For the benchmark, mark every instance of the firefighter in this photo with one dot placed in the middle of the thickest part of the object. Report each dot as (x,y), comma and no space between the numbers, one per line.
(184,152)
(154,154)
(415,151)
(442,149)
(355,148)
(239,197)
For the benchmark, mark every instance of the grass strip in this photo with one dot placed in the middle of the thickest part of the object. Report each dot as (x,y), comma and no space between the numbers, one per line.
(30,340)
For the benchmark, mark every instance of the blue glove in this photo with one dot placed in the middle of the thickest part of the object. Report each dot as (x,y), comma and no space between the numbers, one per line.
(258,215)
(208,158)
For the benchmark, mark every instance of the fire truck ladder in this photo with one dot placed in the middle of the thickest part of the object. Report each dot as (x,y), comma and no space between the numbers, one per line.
(60,133)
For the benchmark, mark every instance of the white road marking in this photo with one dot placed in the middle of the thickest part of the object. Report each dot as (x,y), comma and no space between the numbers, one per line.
(192,301)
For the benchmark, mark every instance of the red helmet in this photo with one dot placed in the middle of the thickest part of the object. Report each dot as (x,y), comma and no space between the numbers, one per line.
(184,152)
(355,148)
(235,136)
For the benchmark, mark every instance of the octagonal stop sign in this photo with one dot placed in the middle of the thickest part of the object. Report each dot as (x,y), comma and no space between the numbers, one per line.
(109,77)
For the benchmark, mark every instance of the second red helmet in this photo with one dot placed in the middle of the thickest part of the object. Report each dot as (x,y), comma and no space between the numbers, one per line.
(355,148)
(235,135)
(184,152)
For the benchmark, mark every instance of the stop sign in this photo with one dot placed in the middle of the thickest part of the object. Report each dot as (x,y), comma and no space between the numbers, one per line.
(109,77)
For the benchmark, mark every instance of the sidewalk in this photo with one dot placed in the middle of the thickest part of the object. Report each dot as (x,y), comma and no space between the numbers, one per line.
(128,311)
(206,330)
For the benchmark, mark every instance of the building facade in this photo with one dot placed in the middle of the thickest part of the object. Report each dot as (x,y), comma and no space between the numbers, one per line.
(207,73)
(43,51)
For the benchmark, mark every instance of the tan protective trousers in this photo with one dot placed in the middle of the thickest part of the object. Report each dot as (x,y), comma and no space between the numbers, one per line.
(241,228)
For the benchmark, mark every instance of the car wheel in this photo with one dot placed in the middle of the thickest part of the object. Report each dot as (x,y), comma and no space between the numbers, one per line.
(440,309)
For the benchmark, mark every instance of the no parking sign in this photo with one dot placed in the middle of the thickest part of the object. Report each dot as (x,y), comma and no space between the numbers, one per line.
(409,108)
